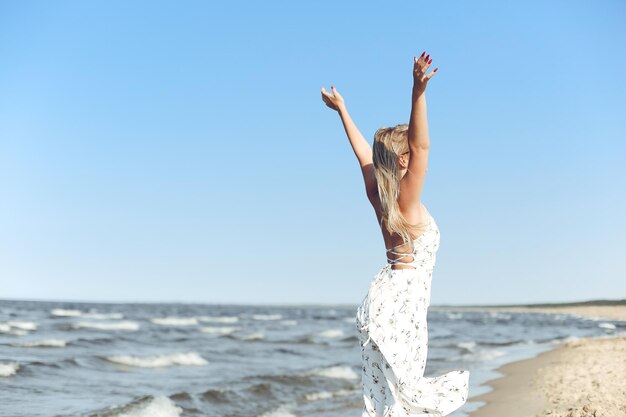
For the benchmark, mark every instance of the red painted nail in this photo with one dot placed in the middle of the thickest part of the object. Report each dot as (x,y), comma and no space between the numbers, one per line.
(435,70)
(422,54)
(427,56)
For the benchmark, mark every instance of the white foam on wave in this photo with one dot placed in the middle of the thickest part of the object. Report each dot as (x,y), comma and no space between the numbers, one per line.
(43,343)
(281,411)
(454,316)
(467,345)
(289,322)
(24,325)
(8,368)
(267,316)
(159,406)
(500,315)
(318,396)
(327,394)
(339,372)
(118,325)
(61,312)
(160,361)
(219,319)
(175,321)
(564,340)
(17,328)
(591,318)
(252,336)
(14,330)
(481,355)
(606,325)
(219,330)
(103,316)
(331,333)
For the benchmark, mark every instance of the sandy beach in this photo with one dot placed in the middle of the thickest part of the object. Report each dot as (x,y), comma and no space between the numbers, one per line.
(578,378)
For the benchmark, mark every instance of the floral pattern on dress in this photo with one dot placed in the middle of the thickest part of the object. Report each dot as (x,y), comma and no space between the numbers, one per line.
(393,334)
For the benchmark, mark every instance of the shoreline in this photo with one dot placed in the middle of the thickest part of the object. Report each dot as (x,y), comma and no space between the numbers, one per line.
(576,378)
(593,312)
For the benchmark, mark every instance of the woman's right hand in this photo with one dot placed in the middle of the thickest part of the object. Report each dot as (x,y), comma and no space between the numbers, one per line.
(335,101)
(420,66)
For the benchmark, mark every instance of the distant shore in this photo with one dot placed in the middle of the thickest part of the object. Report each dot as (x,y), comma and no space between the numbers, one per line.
(609,312)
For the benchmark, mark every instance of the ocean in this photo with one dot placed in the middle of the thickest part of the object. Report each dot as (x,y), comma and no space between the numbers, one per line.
(174,359)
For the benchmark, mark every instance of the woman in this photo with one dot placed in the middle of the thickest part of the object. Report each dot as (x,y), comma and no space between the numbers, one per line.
(391,320)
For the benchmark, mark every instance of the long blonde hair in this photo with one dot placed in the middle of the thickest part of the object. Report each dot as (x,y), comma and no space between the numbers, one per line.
(389,144)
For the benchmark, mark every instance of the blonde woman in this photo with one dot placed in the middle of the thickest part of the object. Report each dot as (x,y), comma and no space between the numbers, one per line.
(391,320)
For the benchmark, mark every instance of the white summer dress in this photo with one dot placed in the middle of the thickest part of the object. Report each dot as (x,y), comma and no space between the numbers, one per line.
(393,334)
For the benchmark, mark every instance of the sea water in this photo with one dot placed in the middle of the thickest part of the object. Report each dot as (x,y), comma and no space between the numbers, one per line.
(170,360)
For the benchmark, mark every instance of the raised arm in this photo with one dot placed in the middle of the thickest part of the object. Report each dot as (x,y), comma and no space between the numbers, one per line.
(412,183)
(360,146)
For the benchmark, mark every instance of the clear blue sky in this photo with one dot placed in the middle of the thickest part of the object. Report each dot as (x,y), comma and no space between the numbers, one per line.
(180,151)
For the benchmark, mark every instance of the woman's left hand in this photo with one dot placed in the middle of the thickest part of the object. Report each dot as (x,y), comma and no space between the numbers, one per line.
(335,101)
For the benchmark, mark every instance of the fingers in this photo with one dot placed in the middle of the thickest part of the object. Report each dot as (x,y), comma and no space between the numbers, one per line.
(421,58)
(421,65)
(329,99)
(429,76)
(423,61)
(427,64)
(417,65)
(332,87)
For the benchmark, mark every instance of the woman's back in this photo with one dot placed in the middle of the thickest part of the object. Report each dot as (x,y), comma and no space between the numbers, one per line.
(424,246)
